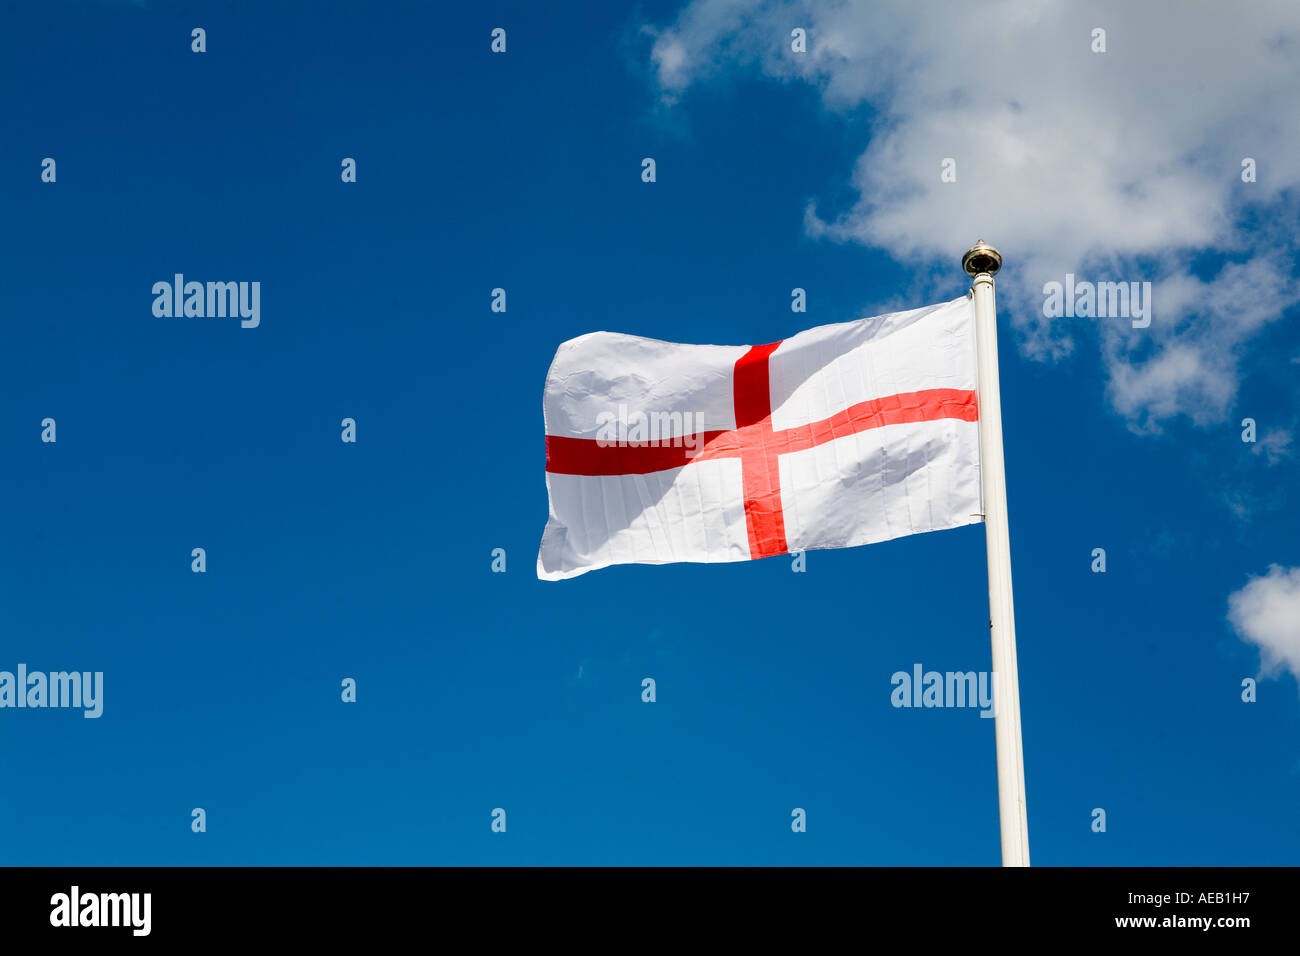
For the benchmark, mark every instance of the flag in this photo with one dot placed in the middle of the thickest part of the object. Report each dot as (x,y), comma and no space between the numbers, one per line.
(839,436)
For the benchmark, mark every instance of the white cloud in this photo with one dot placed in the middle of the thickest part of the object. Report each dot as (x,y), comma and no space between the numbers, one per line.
(1266,612)
(1191,368)
(1274,444)
(1122,165)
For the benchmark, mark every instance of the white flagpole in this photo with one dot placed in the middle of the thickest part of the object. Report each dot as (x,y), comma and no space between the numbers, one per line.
(982,262)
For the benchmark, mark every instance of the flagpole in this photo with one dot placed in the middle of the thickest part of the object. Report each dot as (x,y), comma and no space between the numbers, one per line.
(982,262)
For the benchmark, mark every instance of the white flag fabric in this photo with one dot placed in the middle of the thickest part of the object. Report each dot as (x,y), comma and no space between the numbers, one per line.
(839,436)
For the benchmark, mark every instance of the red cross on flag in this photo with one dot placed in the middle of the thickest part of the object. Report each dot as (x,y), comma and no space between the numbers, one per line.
(839,436)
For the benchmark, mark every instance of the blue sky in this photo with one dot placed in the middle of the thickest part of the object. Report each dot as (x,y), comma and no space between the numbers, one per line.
(372,560)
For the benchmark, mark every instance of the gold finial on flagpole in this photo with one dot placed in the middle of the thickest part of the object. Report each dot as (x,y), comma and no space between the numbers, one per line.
(981,257)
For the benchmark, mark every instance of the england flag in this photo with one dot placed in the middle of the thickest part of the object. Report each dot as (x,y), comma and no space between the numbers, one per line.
(839,436)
